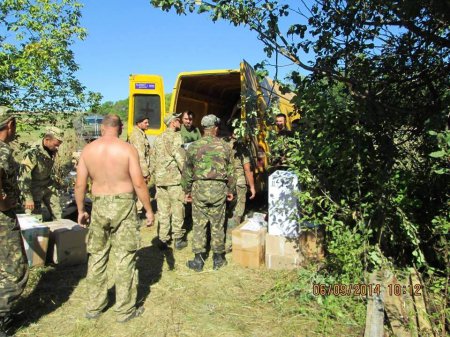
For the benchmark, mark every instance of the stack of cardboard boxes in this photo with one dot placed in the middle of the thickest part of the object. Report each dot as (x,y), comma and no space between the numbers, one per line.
(61,242)
(282,244)
(249,245)
(287,244)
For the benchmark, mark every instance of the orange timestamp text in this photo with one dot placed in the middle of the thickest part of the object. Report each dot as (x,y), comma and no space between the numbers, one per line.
(365,289)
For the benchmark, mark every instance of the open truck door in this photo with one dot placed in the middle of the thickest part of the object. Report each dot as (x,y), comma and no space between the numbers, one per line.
(253,107)
(147,97)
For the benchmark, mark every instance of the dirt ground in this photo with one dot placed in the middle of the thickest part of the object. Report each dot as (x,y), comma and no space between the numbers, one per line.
(177,302)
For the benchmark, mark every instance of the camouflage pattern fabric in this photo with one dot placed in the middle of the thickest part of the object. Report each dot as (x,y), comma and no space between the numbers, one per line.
(191,135)
(13,264)
(241,156)
(209,158)
(139,140)
(50,198)
(6,114)
(114,229)
(36,180)
(170,212)
(208,175)
(167,159)
(236,208)
(208,205)
(235,211)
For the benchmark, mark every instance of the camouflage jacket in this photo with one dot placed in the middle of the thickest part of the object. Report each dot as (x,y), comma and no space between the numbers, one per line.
(139,140)
(190,136)
(10,171)
(209,158)
(167,158)
(36,170)
(240,157)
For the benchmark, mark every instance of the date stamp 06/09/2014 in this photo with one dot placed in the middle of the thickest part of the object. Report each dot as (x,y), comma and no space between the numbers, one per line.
(369,289)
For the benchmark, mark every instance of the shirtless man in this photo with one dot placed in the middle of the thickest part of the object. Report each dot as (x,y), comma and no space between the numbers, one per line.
(113,167)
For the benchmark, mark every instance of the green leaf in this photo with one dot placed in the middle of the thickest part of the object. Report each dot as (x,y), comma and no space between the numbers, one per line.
(438,154)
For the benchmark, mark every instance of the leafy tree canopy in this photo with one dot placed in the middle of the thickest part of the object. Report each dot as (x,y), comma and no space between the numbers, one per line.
(120,108)
(383,51)
(373,144)
(37,66)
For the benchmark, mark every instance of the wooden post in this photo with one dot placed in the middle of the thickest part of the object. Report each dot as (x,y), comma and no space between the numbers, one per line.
(375,310)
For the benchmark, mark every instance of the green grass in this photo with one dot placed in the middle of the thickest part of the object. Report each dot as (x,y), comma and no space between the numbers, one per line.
(233,301)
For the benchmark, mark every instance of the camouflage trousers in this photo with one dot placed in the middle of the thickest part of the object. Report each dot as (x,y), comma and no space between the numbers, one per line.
(170,212)
(235,212)
(13,264)
(208,205)
(48,197)
(114,229)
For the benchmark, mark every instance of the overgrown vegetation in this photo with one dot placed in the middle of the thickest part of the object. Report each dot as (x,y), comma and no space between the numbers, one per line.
(372,152)
(37,65)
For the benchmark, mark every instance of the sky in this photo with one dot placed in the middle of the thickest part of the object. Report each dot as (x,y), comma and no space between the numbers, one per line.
(133,37)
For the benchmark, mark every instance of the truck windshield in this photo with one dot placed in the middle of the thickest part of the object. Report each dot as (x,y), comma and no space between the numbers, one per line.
(150,106)
(94,120)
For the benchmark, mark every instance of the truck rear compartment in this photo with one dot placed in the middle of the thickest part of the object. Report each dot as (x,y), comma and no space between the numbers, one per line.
(209,94)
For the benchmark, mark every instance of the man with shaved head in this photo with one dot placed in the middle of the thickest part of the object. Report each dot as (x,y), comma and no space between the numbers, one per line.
(113,167)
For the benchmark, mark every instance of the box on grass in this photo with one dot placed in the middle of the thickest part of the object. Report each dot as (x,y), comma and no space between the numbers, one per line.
(248,245)
(312,239)
(35,237)
(291,253)
(282,252)
(67,244)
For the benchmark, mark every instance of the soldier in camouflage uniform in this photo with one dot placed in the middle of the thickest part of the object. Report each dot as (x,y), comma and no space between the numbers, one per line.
(113,168)
(244,175)
(167,160)
(36,174)
(13,264)
(208,181)
(188,131)
(139,140)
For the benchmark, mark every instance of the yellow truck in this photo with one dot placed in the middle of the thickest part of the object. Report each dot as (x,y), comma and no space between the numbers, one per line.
(217,92)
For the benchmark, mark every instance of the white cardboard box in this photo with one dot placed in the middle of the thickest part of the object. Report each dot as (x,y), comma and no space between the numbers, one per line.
(35,236)
(283,204)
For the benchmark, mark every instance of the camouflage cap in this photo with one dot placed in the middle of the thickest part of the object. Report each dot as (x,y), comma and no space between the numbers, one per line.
(6,114)
(170,117)
(210,121)
(55,132)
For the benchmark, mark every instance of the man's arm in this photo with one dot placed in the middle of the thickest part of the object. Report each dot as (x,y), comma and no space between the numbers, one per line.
(249,177)
(178,152)
(245,159)
(186,178)
(5,202)
(139,145)
(139,185)
(25,178)
(80,191)
(229,169)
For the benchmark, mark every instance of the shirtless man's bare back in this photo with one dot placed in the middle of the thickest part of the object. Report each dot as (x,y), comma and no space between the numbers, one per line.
(113,167)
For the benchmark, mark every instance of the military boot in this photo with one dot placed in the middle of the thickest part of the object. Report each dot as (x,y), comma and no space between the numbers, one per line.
(219,260)
(197,263)
(180,244)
